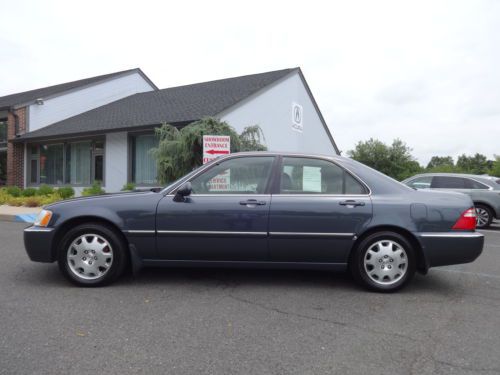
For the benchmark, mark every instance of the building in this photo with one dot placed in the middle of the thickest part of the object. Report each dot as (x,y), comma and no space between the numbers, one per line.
(102,128)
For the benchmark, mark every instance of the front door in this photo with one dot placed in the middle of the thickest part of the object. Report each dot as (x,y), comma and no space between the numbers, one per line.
(224,219)
(317,212)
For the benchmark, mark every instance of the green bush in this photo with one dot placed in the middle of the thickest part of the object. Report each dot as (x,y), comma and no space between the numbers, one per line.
(28,192)
(13,191)
(17,202)
(95,189)
(66,192)
(129,186)
(45,190)
(33,201)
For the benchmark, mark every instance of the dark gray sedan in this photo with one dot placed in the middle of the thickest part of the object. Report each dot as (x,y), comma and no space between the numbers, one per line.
(269,210)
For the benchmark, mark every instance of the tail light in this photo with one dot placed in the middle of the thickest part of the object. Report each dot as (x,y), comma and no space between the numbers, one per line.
(466,221)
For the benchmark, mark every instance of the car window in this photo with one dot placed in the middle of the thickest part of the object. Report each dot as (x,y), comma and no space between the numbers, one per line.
(448,182)
(420,182)
(315,176)
(473,184)
(248,175)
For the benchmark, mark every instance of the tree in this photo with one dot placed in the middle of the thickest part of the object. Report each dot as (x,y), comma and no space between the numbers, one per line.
(477,164)
(441,161)
(395,161)
(495,169)
(180,151)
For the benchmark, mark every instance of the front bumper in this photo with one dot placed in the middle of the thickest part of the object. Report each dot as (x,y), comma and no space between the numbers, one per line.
(38,243)
(447,248)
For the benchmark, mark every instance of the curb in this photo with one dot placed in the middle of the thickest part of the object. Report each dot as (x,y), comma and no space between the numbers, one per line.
(22,218)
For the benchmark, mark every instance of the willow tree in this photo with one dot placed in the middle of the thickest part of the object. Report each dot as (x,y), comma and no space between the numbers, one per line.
(181,150)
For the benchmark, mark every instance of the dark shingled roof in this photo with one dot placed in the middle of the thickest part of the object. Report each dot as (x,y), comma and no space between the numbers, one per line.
(176,105)
(30,96)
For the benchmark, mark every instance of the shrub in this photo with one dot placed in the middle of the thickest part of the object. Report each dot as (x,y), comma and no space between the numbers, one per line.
(13,191)
(48,199)
(3,196)
(66,192)
(33,201)
(28,192)
(15,202)
(95,189)
(45,190)
(129,186)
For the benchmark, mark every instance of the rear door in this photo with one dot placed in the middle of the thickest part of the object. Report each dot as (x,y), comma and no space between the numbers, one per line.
(316,212)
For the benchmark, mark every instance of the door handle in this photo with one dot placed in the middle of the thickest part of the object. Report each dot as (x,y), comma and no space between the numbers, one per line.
(252,202)
(351,203)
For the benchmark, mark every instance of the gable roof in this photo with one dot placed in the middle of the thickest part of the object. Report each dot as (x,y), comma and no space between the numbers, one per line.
(30,96)
(176,105)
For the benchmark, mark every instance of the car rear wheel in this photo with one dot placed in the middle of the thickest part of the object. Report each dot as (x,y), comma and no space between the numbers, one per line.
(383,262)
(484,216)
(92,255)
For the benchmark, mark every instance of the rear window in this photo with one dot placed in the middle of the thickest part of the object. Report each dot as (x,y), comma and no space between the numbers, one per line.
(446,182)
(473,184)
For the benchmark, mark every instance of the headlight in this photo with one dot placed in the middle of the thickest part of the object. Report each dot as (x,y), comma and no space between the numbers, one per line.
(43,218)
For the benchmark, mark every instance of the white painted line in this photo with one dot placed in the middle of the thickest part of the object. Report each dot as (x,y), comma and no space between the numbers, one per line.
(480,274)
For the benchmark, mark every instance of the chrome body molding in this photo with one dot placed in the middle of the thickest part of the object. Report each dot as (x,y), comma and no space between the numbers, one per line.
(210,232)
(139,231)
(38,229)
(310,234)
(451,234)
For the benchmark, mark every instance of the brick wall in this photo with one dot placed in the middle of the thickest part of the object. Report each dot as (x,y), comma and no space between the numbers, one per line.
(15,151)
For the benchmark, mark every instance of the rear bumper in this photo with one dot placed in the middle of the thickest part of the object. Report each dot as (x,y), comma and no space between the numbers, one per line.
(443,249)
(38,243)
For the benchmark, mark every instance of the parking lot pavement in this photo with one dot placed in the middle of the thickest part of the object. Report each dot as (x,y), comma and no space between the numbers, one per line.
(192,321)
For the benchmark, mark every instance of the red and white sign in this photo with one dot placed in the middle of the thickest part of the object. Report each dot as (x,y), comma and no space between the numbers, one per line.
(214,146)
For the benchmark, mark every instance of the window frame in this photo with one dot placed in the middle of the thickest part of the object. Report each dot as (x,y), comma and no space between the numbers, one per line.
(30,157)
(278,172)
(267,189)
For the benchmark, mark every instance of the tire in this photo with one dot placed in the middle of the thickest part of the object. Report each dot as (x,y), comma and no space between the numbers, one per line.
(92,255)
(484,216)
(383,262)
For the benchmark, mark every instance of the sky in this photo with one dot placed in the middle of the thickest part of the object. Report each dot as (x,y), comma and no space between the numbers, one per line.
(427,72)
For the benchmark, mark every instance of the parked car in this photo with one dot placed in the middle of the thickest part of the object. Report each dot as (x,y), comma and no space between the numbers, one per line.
(484,191)
(268,210)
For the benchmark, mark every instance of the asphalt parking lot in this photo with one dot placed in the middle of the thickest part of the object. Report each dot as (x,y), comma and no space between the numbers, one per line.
(178,321)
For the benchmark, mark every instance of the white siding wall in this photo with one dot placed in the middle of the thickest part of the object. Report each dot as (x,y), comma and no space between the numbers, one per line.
(115,161)
(272,111)
(79,101)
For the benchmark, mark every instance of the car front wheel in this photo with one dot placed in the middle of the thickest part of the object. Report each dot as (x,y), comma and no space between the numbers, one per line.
(383,262)
(92,255)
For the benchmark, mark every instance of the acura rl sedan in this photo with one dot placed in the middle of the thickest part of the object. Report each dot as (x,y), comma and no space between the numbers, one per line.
(268,210)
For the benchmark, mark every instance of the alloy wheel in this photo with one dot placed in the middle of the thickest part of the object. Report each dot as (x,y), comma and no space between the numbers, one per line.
(482,217)
(386,262)
(90,256)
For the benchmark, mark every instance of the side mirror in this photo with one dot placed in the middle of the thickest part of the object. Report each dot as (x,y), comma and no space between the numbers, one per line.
(183,191)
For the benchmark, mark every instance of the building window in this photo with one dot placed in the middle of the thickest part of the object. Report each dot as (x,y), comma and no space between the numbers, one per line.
(3,132)
(75,163)
(51,164)
(78,159)
(143,163)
